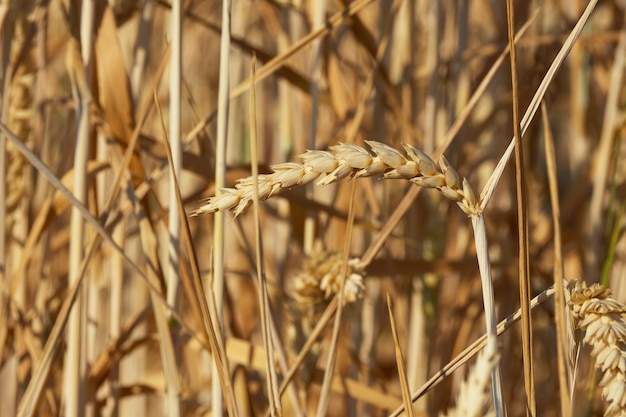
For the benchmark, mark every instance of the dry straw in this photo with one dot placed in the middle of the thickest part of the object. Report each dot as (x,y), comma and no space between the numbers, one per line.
(603,319)
(350,161)
(474,393)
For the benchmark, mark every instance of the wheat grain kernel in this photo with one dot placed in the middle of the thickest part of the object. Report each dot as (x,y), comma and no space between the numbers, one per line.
(452,194)
(320,161)
(387,154)
(434,181)
(377,167)
(468,193)
(287,174)
(406,171)
(355,156)
(309,176)
(423,161)
(341,172)
(452,177)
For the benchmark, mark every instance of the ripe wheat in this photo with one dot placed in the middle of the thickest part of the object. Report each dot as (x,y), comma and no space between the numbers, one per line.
(604,321)
(350,161)
(313,288)
(474,398)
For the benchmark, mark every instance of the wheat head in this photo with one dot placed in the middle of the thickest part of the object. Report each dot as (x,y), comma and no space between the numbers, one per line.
(604,321)
(313,288)
(474,398)
(349,161)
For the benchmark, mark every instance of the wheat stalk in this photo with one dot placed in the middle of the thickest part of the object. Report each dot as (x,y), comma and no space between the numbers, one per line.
(350,161)
(604,321)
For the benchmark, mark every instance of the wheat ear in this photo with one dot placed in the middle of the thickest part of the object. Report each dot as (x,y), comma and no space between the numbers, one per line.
(350,161)
(604,321)
(473,399)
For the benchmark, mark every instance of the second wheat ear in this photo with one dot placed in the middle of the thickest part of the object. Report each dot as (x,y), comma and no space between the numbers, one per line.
(350,161)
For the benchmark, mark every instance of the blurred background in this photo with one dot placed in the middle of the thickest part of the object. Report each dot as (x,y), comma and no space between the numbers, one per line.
(391,71)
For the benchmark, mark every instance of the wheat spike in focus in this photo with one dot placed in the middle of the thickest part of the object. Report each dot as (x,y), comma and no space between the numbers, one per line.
(349,161)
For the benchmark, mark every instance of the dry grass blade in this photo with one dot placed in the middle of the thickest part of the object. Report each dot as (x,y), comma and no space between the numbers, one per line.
(430,74)
(293,76)
(472,350)
(113,88)
(266,330)
(277,62)
(315,334)
(522,225)
(33,391)
(559,297)
(212,330)
(490,186)
(242,352)
(166,344)
(412,193)
(30,399)
(168,340)
(271,67)
(404,383)
(101,365)
(103,233)
(324,399)
(53,206)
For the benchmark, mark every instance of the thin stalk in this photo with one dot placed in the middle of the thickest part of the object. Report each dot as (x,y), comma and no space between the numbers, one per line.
(315,334)
(173,246)
(316,46)
(5,80)
(472,350)
(264,304)
(522,226)
(612,245)
(167,346)
(115,317)
(32,394)
(412,193)
(37,383)
(170,348)
(75,367)
(432,62)
(559,297)
(168,341)
(490,186)
(324,398)
(140,53)
(484,265)
(331,23)
(404,382)
(277,62)
(220,182)
(205,304)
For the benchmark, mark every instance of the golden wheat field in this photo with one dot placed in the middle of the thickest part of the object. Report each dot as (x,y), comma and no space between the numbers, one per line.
(312,208)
